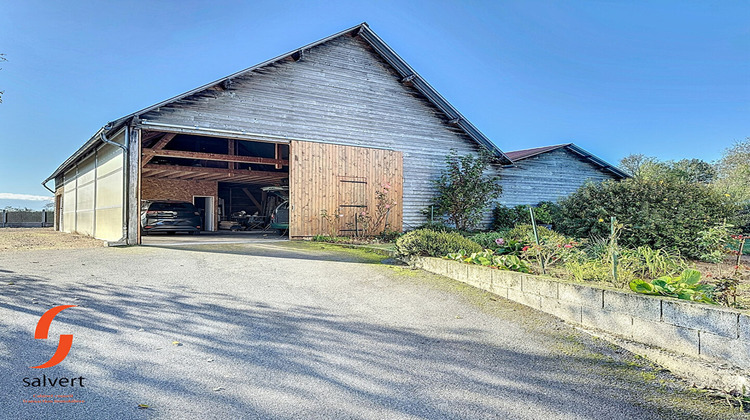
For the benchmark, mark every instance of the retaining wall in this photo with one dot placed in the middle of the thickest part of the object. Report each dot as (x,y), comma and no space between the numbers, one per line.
(687,328)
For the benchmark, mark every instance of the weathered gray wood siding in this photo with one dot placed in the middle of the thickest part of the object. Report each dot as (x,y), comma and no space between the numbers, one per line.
(340,92)
(547,177)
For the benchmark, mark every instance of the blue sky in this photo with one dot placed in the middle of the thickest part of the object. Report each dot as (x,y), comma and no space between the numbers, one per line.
(669,79)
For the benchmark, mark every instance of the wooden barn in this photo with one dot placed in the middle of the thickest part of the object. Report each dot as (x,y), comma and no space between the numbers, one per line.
(550,173)
(333,120)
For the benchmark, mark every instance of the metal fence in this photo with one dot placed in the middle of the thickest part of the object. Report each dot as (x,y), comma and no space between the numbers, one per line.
(27,218)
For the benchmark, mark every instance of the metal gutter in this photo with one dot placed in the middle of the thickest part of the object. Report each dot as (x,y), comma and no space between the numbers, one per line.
(599,162)
(213,132)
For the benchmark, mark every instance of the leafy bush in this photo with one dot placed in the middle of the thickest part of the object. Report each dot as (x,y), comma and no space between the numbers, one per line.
(463,189)
(488,240)
(434,244)
(685,286)
(712,243)
(545,213)
(661,214)
(437,227)
(525,233)
(550,251)
(488,258)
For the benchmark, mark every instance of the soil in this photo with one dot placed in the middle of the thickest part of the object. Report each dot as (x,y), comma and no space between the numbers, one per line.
(715,273)
(28,239)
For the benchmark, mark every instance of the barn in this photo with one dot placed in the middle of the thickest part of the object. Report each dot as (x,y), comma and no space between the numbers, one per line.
(332,121)
(551,172)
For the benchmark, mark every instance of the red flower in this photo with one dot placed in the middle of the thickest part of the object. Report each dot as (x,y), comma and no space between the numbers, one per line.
(526,248)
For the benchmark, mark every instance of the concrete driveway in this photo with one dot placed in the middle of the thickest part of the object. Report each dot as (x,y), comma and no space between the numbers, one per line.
(298,330)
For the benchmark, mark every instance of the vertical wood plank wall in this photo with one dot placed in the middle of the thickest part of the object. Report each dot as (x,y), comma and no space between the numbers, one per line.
(315,174)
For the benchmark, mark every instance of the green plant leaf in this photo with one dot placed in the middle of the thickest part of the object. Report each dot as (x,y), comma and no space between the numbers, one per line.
(660,282)
(691,277)
(686,294)
(640,286)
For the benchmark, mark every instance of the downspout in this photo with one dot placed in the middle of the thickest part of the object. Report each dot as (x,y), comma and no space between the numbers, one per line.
(103,137)
(44,184)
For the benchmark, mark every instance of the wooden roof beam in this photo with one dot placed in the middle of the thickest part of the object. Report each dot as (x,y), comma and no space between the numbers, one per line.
(214,156)
(176,170)
(158,146)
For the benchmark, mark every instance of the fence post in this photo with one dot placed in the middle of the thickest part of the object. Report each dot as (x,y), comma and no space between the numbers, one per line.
(5,218)
(44,218)
(613,245)
(536,238)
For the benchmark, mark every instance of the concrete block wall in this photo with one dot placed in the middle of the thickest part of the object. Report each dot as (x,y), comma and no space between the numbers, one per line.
(693,329)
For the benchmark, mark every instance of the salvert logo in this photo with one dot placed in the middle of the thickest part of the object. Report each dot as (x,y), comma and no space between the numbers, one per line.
(63,348)
(42,332)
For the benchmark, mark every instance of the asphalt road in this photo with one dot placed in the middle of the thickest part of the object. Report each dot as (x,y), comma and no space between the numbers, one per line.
(292,330)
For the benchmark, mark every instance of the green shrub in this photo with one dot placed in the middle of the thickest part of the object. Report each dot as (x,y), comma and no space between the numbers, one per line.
(488,240)
(463,189)
(434,244)
(437,227)
(661,214)
(545,213)
(488,258)
(525,233)
(713,242)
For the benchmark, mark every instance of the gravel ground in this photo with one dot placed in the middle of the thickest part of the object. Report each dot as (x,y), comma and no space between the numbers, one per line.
(302,330)
(28,239)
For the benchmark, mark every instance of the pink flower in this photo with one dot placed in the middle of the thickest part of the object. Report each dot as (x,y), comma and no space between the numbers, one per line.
(387,206)
(500,241)
(363,213)
(568,246)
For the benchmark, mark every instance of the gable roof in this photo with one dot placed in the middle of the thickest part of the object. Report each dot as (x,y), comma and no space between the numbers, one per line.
(518,155)
(362,30)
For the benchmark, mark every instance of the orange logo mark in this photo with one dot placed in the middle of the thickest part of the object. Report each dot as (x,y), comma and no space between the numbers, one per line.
(42,331)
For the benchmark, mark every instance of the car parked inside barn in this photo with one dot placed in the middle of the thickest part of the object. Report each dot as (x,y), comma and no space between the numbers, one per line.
(170,217)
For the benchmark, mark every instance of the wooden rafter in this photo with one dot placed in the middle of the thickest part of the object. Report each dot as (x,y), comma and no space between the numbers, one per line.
(150,153)
(192,172)
(247,193)
(158,146)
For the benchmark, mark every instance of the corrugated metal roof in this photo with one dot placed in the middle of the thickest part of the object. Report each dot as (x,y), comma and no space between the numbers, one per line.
(517,155)
(364,31)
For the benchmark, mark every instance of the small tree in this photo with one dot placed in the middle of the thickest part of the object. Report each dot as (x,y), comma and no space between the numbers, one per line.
(463,190)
